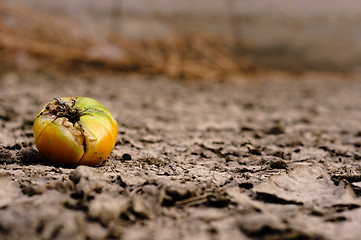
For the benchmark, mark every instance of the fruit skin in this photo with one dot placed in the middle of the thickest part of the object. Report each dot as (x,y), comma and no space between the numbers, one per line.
(73,131)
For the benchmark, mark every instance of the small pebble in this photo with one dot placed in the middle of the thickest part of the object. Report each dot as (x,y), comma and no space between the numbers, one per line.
(126,156)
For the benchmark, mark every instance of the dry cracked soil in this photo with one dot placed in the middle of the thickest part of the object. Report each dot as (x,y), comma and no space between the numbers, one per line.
(270,158)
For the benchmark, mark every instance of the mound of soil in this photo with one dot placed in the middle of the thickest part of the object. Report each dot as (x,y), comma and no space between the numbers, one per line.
(267,159)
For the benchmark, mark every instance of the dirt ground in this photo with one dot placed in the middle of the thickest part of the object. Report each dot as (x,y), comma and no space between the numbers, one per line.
(273,158)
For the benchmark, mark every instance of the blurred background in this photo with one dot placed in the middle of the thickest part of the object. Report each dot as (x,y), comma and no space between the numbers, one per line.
(180,39)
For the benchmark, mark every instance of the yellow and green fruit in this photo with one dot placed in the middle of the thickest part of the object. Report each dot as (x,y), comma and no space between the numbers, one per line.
(73,131)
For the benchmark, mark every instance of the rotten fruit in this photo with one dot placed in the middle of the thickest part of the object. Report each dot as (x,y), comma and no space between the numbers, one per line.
(75,131)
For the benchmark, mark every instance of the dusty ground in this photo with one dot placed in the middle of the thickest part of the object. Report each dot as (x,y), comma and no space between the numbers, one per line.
(275,159)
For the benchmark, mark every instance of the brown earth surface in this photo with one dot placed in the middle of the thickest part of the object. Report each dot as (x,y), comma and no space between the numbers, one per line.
(273,158)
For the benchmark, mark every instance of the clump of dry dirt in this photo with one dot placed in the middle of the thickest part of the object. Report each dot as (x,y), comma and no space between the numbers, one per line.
(268,159)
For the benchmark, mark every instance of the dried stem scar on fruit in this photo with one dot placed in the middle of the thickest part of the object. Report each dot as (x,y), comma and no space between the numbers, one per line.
(75,131)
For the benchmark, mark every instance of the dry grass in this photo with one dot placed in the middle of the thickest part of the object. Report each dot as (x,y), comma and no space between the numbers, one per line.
(40,41)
